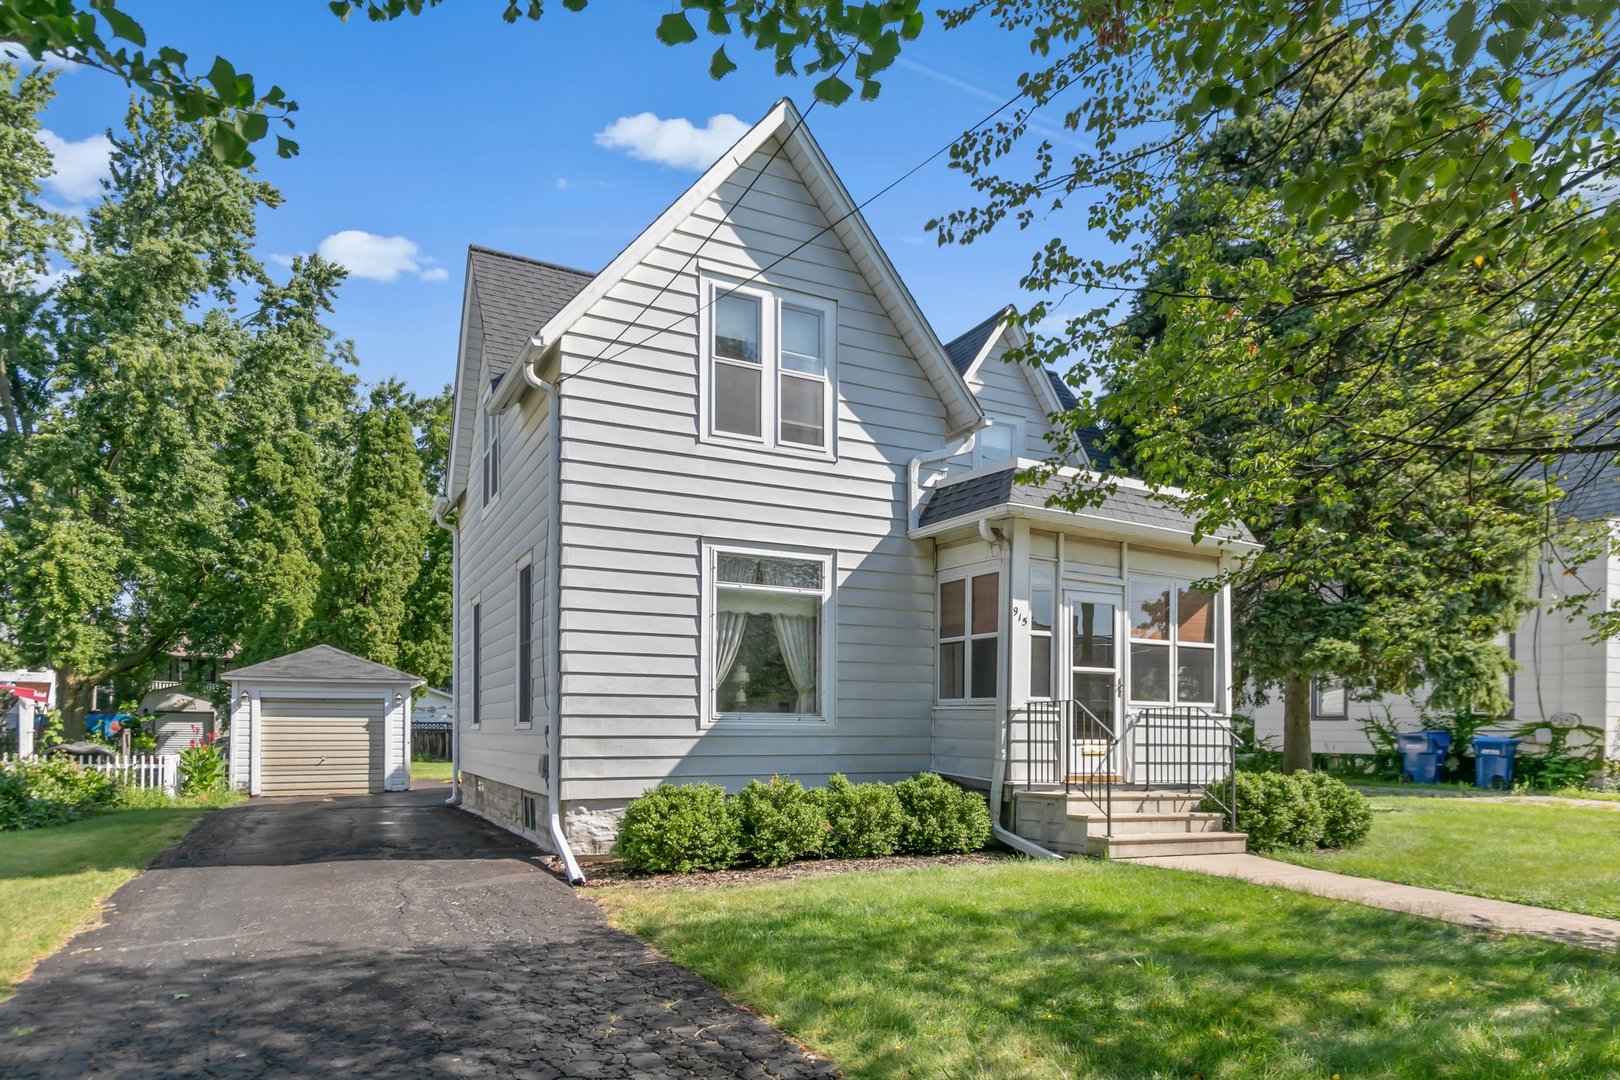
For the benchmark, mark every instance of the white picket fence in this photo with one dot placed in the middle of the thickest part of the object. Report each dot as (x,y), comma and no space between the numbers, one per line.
(152,772)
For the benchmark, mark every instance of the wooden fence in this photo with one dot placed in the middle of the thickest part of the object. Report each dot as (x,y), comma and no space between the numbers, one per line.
(151,772)
(430,742)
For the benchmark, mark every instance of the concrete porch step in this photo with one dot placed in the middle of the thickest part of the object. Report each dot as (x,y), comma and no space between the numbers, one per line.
(1136,801)
(1142,846)
(1174,824)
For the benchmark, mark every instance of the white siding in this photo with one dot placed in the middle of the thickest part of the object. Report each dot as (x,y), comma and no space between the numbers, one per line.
(1559,670)
(642,493)
(491,545)
(1005,393)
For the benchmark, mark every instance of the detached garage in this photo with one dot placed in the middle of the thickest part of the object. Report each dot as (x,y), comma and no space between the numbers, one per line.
(320,722)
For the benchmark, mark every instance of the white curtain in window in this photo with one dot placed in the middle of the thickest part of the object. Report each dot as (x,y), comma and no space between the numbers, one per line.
(728,635)
(796,635)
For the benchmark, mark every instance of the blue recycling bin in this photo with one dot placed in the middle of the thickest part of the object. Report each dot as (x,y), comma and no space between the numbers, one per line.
(1421,754)
(1493,760)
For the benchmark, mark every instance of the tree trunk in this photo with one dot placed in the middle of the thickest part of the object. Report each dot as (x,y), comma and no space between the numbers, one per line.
(78,692)
(1296,724)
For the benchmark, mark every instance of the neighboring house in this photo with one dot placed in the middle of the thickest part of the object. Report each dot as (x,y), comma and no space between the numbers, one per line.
(1561,674)
(433,706)
(706,531)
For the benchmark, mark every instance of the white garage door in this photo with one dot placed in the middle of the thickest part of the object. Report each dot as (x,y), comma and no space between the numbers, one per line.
(320,746)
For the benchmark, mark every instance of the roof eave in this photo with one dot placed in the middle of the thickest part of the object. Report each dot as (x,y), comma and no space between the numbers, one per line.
(1096,524)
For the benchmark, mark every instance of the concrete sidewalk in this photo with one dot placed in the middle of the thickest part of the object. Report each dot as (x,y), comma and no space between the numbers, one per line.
(1473,911)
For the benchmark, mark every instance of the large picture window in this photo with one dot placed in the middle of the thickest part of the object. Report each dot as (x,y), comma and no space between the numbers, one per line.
(770,367)
(767,647)
(969,636)
(1172,651)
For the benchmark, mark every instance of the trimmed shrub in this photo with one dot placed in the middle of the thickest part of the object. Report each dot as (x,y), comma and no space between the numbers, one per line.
(1277,811)
(941,818)
(864,821)
(50,791)
(1346,817)
(678,829)
(779,821)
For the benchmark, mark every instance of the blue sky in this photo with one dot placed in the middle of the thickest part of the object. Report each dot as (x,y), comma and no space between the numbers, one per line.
(424,135)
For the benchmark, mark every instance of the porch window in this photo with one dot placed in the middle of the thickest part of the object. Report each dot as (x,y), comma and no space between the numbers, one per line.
(767,647)
(1172,651)
(770,367)
(969,636)
(1042,603)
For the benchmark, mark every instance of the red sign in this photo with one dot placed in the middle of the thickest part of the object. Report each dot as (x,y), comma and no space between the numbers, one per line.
(27,693)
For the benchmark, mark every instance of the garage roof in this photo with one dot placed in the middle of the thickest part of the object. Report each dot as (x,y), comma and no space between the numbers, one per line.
(322,663)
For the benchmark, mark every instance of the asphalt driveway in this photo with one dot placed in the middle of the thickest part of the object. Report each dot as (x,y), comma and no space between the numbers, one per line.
(370,936)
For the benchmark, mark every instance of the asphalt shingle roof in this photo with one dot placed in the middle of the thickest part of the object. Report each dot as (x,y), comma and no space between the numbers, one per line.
(965,349)
(986,490)
(322,662)
(1593,484)
(516,297)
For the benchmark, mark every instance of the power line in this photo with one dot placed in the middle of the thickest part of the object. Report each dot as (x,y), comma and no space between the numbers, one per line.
(603,355)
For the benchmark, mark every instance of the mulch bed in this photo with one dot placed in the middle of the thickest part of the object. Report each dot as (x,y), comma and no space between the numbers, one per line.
(607,873)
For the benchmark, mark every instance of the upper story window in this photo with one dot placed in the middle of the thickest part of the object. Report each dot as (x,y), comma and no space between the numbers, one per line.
(769,648)
(492,454)
(1172,643)
(997,443)
(969,636)
(771,368)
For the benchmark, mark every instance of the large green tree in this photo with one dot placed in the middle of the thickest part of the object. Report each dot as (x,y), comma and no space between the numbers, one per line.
(376,548)
(425,641)
(1356,581)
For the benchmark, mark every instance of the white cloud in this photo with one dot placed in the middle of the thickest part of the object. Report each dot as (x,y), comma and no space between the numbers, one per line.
(675,142)
(80,165)
(283,261)
(379,258)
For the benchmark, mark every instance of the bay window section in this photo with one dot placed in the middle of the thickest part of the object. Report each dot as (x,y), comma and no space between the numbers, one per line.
(1172,643)
(767,644)
(969,637)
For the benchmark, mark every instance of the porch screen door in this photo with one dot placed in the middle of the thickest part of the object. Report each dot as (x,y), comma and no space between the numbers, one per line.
(1093,618)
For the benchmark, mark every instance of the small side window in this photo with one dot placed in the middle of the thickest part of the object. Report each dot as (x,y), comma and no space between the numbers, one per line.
(492,456)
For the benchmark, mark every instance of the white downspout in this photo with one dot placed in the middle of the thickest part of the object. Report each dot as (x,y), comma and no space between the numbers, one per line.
(554,602)
(441,507)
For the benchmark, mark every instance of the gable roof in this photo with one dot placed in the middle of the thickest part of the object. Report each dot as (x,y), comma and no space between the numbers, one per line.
(1129,504)
(516,296)
(847,223)
(967,348)
(322,663)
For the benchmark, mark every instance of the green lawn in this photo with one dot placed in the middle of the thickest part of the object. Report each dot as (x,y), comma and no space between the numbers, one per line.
(53,880)
(1094,969)
(430,771)
(1547,853)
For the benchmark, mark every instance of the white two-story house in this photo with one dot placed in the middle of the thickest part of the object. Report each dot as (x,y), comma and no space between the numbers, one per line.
(728,508)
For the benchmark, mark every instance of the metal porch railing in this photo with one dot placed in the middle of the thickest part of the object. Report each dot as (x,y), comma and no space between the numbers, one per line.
(1063,746)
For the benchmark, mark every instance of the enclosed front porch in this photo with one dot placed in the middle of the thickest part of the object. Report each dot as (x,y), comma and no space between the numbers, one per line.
(1084,666)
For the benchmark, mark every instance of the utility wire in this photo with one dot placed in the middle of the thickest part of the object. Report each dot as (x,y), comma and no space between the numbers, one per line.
(698,250)
(603,354)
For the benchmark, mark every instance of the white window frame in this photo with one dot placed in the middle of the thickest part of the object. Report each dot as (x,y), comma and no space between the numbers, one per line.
(524,621)
(771,301)
(1054,619)
(966,574)
(1316,699)
(1173,643)
(1015,444)
(826,677)
(490,453)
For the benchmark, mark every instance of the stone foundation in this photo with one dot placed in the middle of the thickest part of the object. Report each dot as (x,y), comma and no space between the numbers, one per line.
(502,804)
(592,827)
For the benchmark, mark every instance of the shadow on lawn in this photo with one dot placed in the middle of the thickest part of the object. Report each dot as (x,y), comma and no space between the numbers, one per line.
(1130,972)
